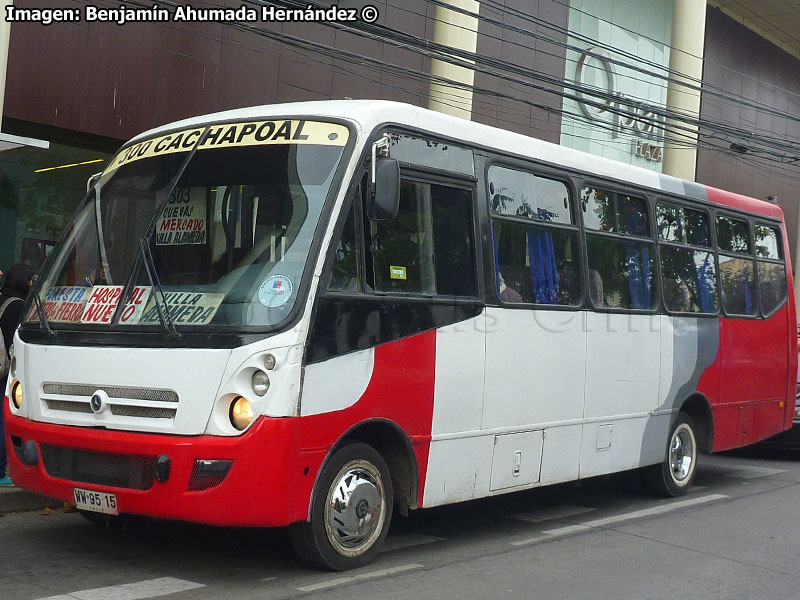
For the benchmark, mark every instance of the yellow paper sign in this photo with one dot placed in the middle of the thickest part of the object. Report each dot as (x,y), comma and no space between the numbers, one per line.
(397,272)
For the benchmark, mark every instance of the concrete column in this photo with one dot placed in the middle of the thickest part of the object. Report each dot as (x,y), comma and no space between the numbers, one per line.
(685,57)
(460,31)
(5,35)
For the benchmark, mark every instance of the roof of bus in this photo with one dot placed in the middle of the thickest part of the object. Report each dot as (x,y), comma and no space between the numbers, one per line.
(367,114)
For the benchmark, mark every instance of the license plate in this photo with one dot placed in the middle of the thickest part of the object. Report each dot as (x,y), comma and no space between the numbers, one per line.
(95,501)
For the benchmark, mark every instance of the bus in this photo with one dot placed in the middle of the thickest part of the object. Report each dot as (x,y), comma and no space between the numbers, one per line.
(314,315)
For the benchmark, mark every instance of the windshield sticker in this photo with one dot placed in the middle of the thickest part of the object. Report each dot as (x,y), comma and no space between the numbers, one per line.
(275,291)
(183,220)
(103,302)
(134,308)
(185,308)
(62,304)
(235,135)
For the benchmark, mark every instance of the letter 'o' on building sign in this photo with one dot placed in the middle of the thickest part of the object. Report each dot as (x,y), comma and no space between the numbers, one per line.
(599,55)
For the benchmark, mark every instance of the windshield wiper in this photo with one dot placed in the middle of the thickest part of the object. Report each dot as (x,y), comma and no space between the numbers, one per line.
(39,308)
(145,254)
(163,310)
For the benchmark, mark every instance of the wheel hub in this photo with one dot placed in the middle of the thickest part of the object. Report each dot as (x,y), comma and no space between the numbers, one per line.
(355,510)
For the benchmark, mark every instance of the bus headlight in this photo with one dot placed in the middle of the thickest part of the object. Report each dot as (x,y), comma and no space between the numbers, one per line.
(241,413)
(16,393)
(260,383)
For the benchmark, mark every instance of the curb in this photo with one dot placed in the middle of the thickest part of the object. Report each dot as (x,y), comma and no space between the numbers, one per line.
(14,499)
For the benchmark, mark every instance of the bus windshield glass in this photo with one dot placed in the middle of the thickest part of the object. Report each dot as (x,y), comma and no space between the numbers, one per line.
(227,248)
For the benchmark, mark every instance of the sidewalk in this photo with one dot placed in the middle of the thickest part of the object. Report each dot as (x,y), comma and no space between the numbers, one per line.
(14,499)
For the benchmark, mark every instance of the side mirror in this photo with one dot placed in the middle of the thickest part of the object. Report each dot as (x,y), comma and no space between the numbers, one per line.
(384,200)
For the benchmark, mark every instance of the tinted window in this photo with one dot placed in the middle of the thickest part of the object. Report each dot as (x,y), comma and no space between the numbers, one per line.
(733,235)
(620,273)
(427,249)
(521,194)
(738,285)
(604,210)
(767,245)
(347,259)
(771,285)
(537,265)
(688,280)
(682,225)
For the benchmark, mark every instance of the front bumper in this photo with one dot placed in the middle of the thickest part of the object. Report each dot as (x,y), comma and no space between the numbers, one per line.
(258,490)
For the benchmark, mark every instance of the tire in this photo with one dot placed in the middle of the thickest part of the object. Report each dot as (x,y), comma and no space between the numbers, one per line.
(350,511)
(674,475)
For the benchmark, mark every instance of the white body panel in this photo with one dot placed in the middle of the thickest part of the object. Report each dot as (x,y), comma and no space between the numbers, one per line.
(337,383)
(458,387)
(534,367)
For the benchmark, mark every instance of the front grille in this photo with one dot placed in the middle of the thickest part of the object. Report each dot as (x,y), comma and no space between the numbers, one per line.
(147,412)
(68,406)
(101,468)
(142,403)
(126,393)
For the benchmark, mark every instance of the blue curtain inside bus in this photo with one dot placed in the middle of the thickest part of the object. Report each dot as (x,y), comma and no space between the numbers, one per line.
(544,270)
(705,281)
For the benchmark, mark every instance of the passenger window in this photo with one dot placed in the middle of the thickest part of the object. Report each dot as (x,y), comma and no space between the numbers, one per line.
(689,280)
(738,285)
(535,263)
(771,268)
(688,276)
(771,285)
(613,212)
(682,225)
(767,242)
(428,248)
(621,269)
(521,194)
(733,235)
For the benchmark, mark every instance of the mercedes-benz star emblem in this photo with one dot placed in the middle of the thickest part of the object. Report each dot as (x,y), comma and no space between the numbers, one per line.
(96,403)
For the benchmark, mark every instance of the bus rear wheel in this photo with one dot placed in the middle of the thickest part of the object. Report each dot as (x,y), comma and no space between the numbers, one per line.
(674,475)
(350,512)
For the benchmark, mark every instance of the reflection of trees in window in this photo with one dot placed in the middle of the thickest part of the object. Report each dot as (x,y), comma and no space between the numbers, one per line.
(738,281)
(771,285)
(688,276)
(534,264)
(620,270)
(733,235)
(689,280)
(767,242)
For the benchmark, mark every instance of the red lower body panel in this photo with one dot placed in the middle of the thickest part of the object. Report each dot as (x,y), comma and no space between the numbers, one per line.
(257,491)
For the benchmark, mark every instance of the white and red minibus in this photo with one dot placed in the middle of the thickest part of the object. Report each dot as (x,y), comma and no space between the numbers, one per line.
(310,314)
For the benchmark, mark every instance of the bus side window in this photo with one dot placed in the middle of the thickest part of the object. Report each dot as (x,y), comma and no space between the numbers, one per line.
(347,260)
(428,248)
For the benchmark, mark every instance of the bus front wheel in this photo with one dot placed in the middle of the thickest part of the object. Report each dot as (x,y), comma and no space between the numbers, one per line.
(673,476)
(350,512)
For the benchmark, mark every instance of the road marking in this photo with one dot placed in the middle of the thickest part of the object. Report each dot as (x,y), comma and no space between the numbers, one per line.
(324,585)
(750,472)
(397,542)
(269,579)
(132,591)
(551,513)
(637,514)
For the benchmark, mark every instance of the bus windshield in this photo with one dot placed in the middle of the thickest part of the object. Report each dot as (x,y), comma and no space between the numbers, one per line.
(229,245)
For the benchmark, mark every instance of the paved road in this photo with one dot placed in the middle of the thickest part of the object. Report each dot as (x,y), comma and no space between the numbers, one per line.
(735,535)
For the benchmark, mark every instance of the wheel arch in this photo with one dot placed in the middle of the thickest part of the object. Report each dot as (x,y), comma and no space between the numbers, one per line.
(391,442)
(698,408)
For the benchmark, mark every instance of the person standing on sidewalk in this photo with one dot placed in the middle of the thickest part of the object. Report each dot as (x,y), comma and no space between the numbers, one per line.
(17,285)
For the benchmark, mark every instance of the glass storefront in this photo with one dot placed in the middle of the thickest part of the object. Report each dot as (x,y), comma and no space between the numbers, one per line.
(39,191)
